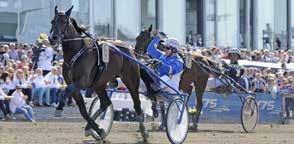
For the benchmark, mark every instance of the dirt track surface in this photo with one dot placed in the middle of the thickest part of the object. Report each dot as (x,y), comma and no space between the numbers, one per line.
(61,132)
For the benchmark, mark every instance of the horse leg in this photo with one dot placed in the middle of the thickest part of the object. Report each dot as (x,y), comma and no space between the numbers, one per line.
(199,89)
(132,83)
(104,103)
(74,90)
(163,116)
(150,92)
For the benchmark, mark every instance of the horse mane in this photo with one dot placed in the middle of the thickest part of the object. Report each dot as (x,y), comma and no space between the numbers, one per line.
(76,26)
(198,56)
(209,62)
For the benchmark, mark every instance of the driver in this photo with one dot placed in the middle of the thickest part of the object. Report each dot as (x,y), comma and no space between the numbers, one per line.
(170,65)
(233,69)
(169,68)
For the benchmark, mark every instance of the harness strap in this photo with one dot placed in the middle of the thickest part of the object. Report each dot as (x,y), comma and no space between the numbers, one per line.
(73,39)
(76,56)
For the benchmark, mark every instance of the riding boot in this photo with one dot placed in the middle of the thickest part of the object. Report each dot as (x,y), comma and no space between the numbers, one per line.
(163,116)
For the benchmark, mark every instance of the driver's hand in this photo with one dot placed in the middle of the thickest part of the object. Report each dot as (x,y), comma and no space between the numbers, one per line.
(155,62)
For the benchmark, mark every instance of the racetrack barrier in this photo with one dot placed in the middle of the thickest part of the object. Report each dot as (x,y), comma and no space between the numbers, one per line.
(218,108)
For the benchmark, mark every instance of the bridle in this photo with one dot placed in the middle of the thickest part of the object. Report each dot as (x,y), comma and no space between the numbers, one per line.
(61,34)
(61,38)
(141,51)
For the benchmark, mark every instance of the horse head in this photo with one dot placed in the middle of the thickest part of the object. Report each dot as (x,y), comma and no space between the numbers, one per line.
(142,40)
(61,27)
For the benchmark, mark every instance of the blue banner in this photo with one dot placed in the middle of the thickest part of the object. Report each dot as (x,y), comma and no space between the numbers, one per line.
(227,109)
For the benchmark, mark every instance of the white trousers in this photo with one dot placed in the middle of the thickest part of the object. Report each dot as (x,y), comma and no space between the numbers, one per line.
(173,81)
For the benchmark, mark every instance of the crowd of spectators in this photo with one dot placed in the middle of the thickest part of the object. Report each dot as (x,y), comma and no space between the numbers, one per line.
(30,75)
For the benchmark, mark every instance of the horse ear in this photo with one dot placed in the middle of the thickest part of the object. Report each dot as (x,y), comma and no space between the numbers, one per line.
(68,12)
(56,11)
(150,28)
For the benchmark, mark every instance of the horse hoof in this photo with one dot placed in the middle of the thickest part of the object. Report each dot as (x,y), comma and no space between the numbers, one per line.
(144,132)
(161,128)
(96,136)
(102,134)
(58,113)
(88,132)
(146,135)
(194,128)
(145,141)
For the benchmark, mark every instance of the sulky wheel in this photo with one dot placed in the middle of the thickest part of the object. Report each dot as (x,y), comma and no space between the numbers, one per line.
(176,127)
(249,114)
(105,120)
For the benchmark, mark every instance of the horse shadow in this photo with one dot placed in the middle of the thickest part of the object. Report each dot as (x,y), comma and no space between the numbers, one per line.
(108,142)
(212,131)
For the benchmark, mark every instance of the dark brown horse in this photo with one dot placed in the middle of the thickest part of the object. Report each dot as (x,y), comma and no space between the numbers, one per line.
(80,71)
(196,75)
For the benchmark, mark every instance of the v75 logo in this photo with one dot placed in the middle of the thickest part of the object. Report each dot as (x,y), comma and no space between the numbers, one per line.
(266,105)
(209,103)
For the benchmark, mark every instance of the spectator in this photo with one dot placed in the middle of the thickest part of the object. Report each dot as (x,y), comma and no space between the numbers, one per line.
(3,96)
(20,79)
(198,38)
(279,81)
(245,80)
(13,53)
(2,51)
(8,85)
(18,104)
(52,78)
(190,38)
(266,56)
(258,84)
(278,43)
(46,57)
(24,61)
(40,89)
(271,86)
(58,55)
(5,56)
(64,98)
